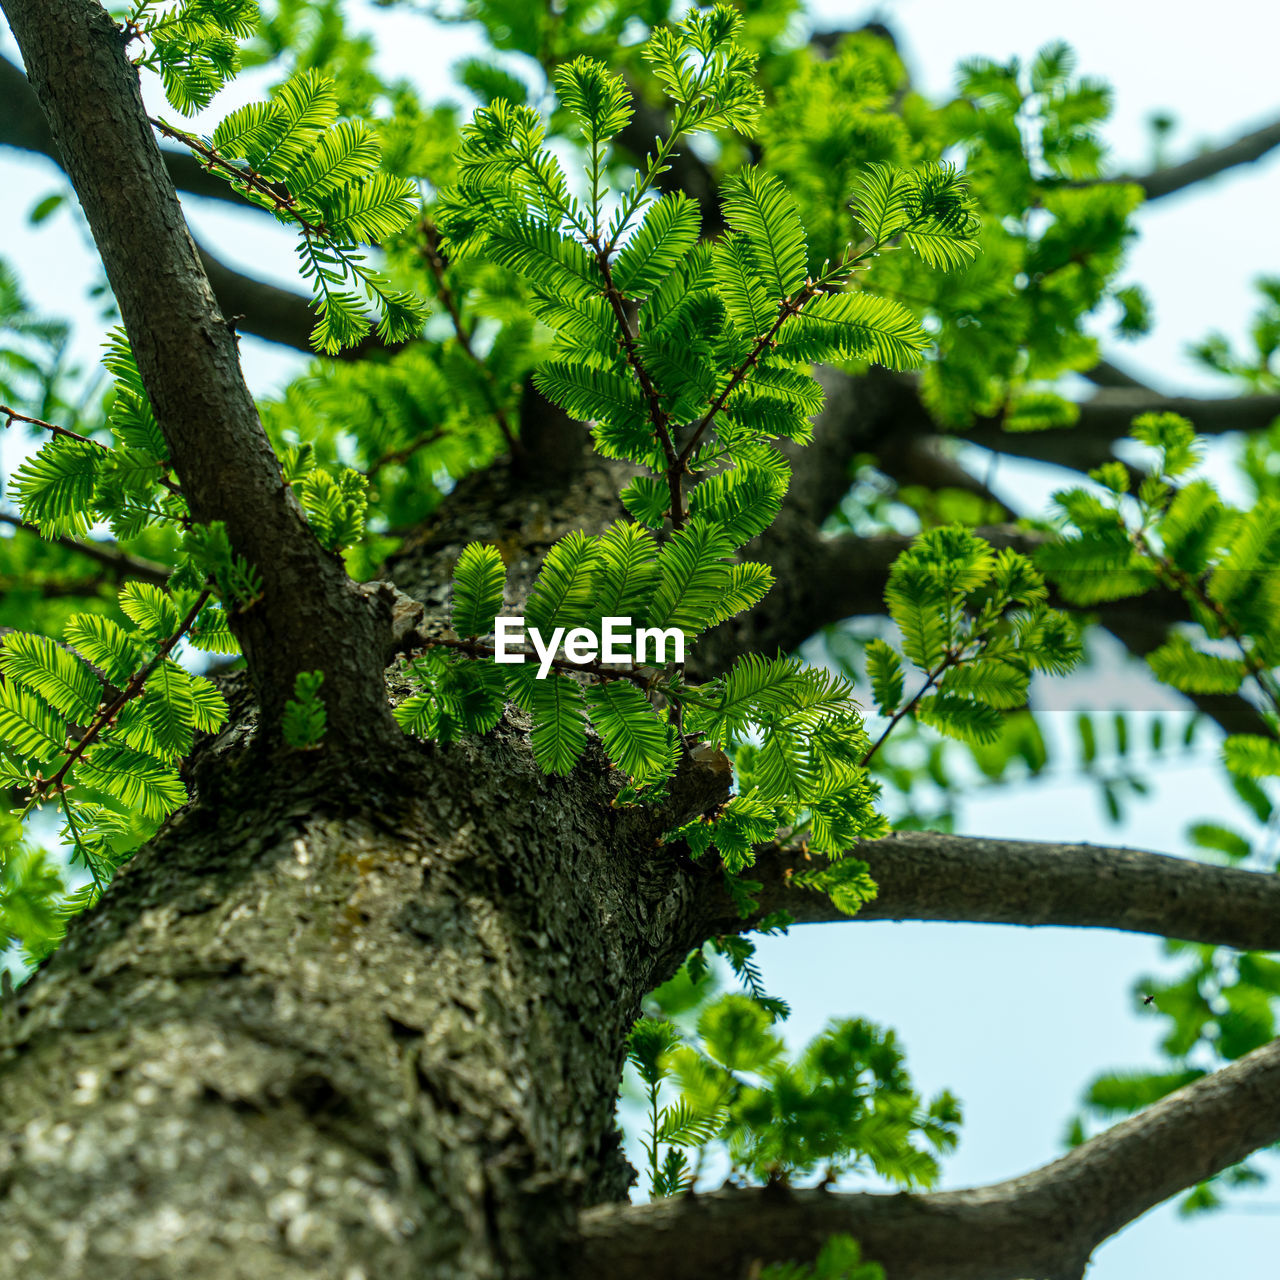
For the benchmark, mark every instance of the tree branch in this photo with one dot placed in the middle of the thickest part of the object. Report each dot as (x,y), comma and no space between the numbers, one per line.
(980,880)
(1246,149)
(186,353)
(120,563)
(1043,1226)
(1107,417)
(23,125)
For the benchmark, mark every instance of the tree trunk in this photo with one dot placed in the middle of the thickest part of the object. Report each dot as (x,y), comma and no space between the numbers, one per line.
(340,1024)
(318,1029)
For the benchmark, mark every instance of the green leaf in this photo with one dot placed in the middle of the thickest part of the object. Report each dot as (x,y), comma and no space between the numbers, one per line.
(598,98)
(739,286)
(54,487)
(882,200)
(666,236)
(758,206)
(106,644)
(846,881)
(304,719)
(562,593)
(335,506)
(859,325)
(53,672)
(479,578)
(648,499)
(634,738)
(996,683)
(756,690)
(209,707)
(134,779)
(546,258)
(372,210)
(1042,411)
(29,725)
(743,501)
(601,394)
(170,709)
(304,106)
(559,723)
(694,574)
(628,571)
(884,670)
(738,1034)
(1251,755)
(345,154)
(1178,663)
(151,610)
(474,693)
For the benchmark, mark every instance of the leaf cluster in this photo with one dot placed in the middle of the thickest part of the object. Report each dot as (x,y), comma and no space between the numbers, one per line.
(193,45)
(845,1102)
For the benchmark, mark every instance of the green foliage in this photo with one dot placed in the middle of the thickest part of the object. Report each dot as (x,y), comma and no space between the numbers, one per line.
(1254,371)
(31,889)
(840,1259)
(845,1102)
(98,725)
(303,722)
(193,45)
(32,350)
(478,581)
(974,624)
(512,205)
(1178,533)
(336,196)
(557,259)
(73,481)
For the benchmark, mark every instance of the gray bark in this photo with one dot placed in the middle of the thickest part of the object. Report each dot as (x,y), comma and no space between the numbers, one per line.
(319,1029)
(923,875)
(361,1012)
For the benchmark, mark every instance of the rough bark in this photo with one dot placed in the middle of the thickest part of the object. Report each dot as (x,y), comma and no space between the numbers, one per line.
(361,1014)
(313,1032)
(187,356)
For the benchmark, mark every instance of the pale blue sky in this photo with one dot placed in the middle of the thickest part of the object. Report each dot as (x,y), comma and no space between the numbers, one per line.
(1012,1020)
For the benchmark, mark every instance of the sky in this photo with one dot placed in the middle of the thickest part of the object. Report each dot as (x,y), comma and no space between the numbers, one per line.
(1015,1021)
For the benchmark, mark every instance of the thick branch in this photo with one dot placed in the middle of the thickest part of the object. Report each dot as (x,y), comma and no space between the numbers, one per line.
(120,563)
(1246,149)
(1042,1226)
(978,880)
(187,355)
(23,125)
(1107,417)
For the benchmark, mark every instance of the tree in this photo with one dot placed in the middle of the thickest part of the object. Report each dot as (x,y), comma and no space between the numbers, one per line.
(382,914)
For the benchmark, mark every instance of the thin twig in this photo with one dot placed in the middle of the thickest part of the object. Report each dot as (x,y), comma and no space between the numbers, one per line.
(107,716)
(247,179)
(657,414)
(429,251)
(12,415)
(402,454)
(951,659)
